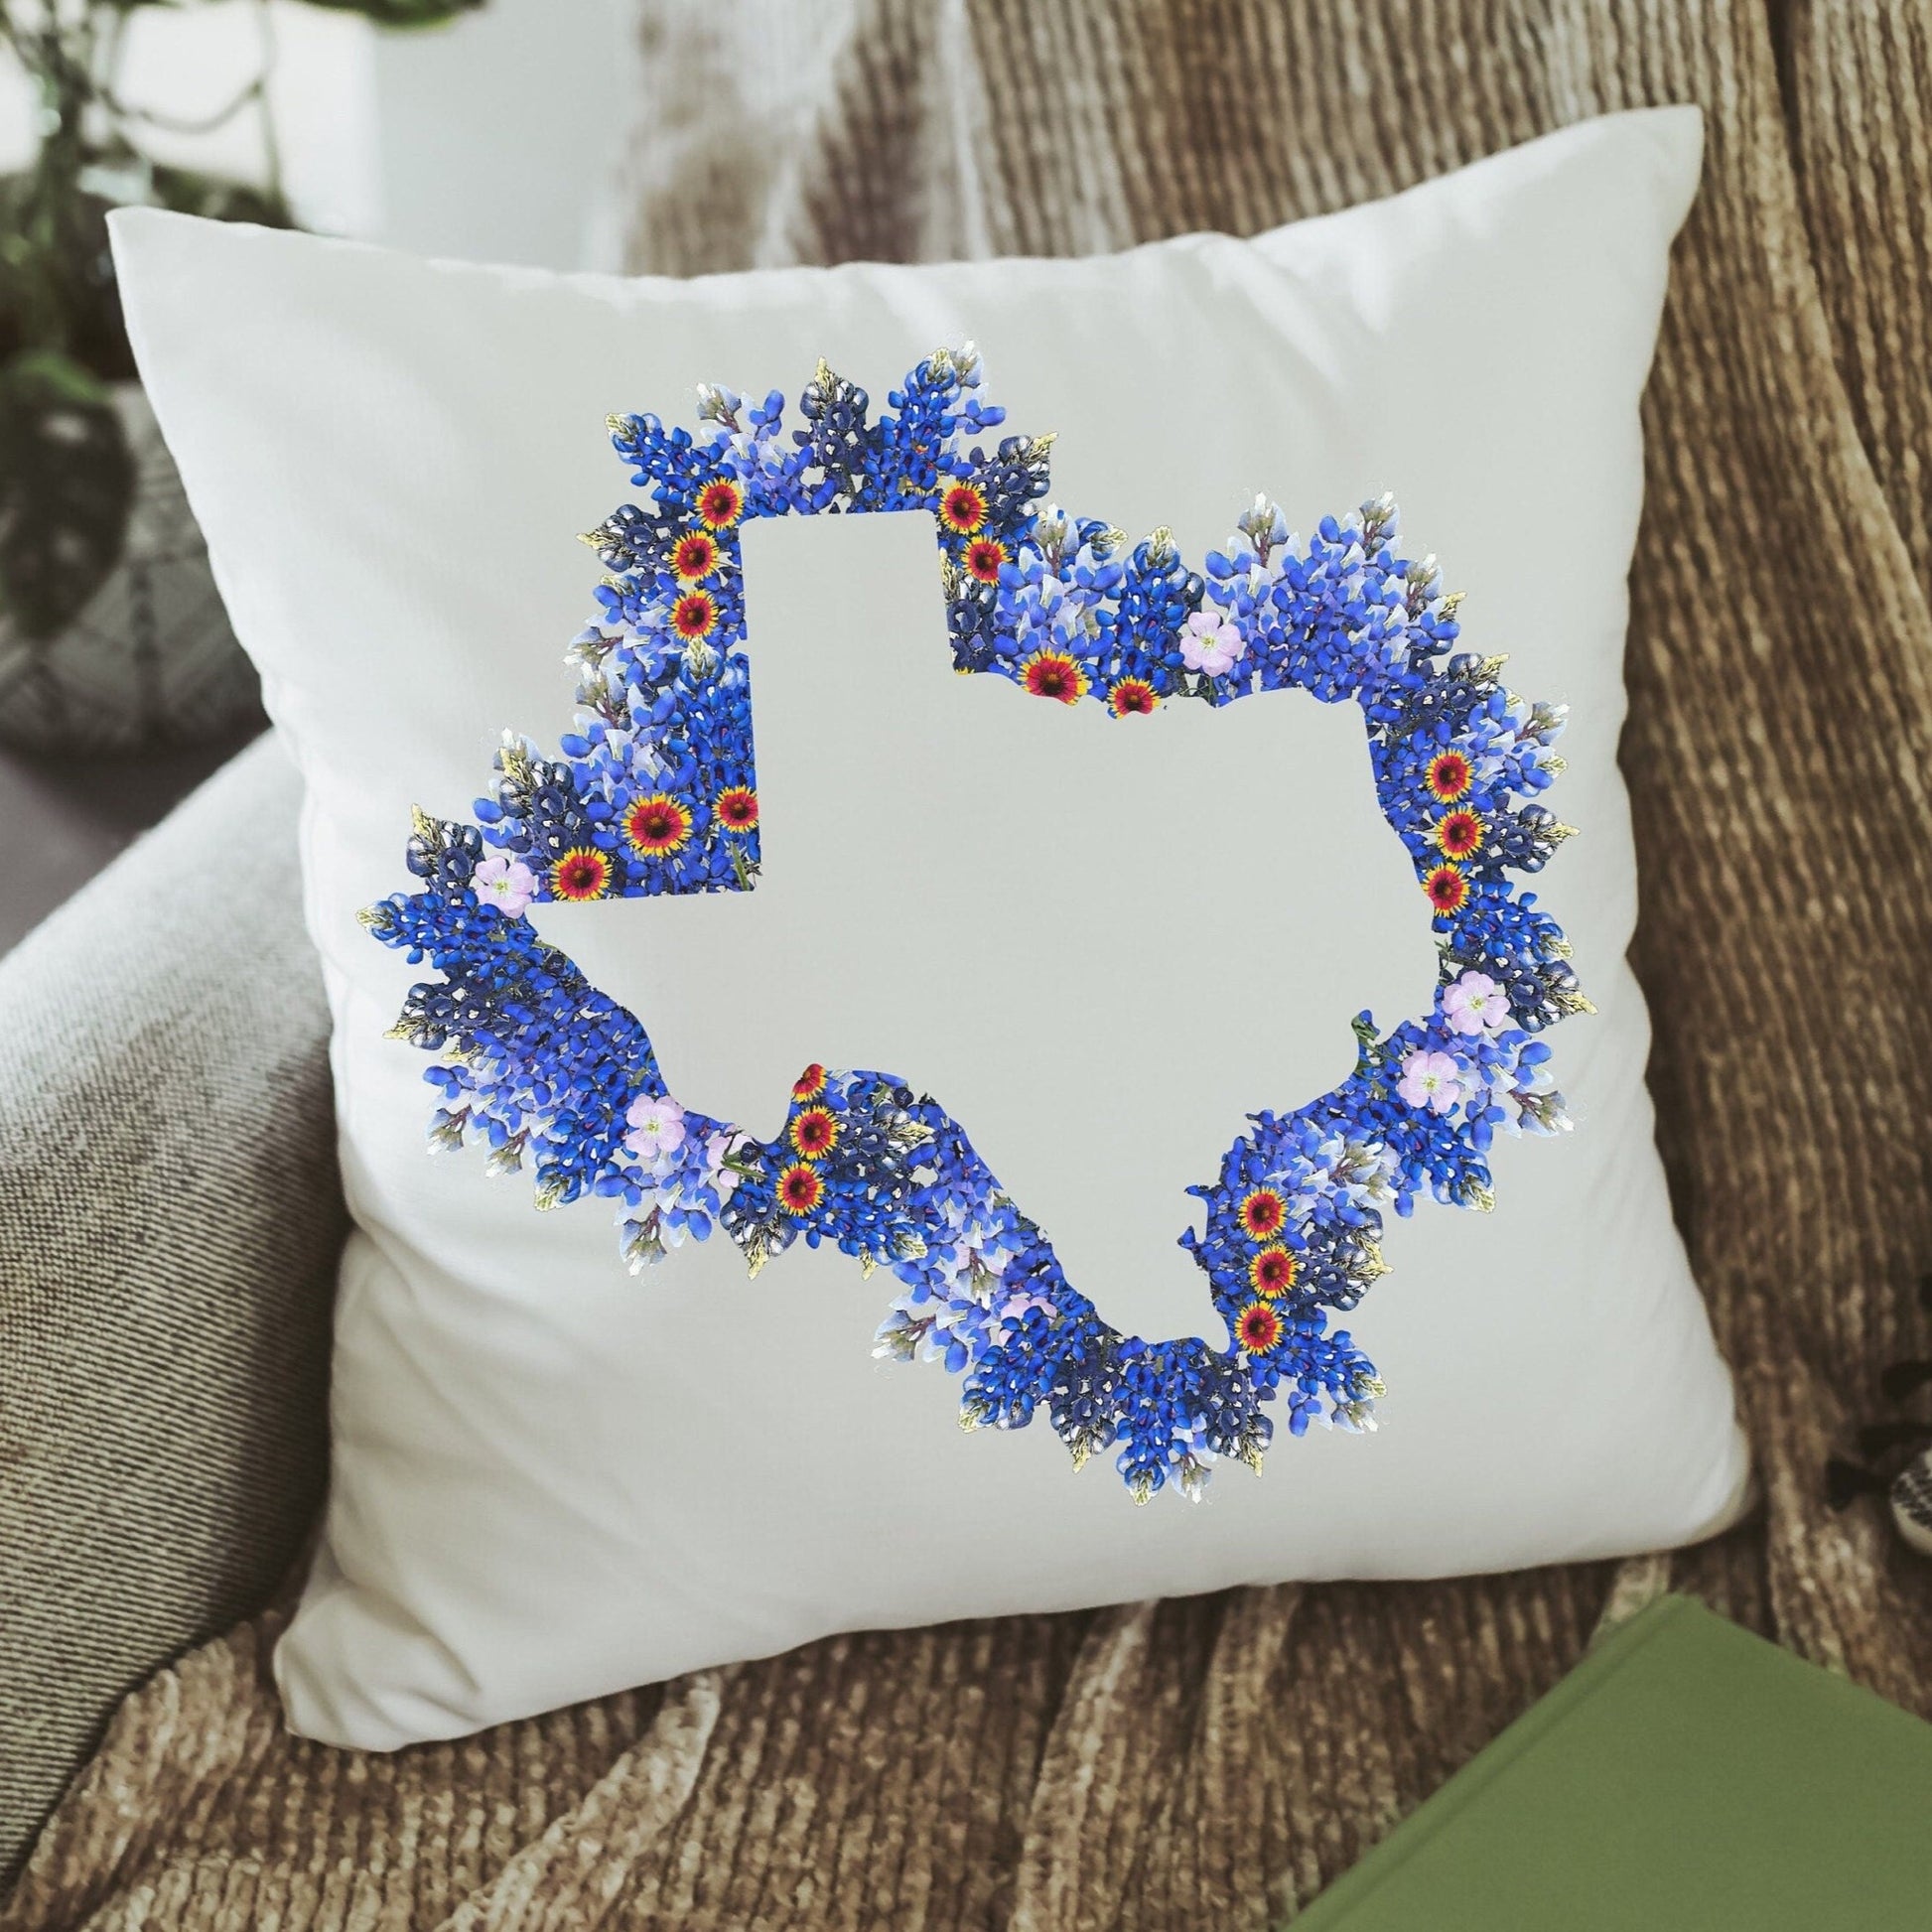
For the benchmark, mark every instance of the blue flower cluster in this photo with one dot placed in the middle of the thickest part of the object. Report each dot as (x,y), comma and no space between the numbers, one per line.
(655,792)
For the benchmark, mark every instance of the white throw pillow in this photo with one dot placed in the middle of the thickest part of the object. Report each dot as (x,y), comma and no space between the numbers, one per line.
(1096,944)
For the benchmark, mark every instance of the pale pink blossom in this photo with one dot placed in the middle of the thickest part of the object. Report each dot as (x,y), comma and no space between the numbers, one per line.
(1474,1004)
(1430,1080)
(1210,642)
(504,883)
(656,1127)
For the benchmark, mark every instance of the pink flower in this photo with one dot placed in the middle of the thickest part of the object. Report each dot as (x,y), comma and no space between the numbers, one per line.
(1476,1005)
(504,883)
(1210,642)
(656,1127)
(1430,1080)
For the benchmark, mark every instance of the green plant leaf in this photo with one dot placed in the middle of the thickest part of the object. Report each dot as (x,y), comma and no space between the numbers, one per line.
(402,13)
(66,486)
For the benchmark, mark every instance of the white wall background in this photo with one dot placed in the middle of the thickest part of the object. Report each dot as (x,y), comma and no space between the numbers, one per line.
(493,137)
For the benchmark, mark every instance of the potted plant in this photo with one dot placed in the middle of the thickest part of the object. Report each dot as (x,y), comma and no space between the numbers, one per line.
(111,634)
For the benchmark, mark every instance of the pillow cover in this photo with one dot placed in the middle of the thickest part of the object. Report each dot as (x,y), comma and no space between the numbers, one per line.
(1207,888)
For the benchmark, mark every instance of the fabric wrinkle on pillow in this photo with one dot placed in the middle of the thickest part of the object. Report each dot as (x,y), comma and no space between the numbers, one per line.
(552,1478)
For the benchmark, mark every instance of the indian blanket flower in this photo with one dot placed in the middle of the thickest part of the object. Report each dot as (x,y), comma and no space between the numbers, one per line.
(655,790)
(1259,1328)
(581,873)
(1450,776)
(657,824)
(721,503)
(1212,643)
(1458,834)
(738,809)
(984,556)
(799,1189)
(504,883)
(694,615)
(656,1127)
(1446,888)
(1272,1271)
(694,555)
(1474,1004)
(1263,1213)
(1053,674)
(1431,1079)
(962,509)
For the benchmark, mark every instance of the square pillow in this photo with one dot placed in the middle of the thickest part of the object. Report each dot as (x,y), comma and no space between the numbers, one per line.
(1058,1049)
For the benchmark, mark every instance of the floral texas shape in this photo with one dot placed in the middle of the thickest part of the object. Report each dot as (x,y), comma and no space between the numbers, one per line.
(655,792)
